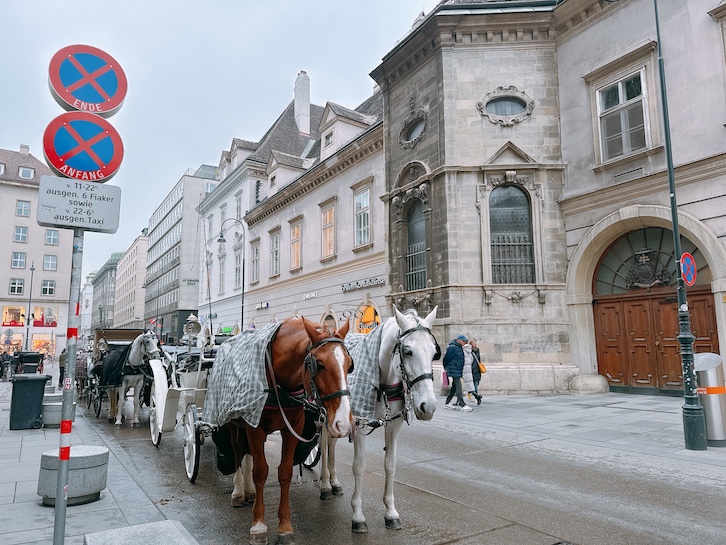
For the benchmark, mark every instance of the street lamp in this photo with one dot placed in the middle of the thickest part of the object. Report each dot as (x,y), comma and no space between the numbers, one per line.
(694,418)
(29,312)
(222,240)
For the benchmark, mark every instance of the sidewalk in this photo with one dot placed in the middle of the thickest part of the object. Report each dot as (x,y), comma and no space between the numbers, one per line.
(23,518)
(646,428)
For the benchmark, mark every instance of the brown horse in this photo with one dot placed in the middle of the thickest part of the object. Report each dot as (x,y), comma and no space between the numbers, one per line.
(304,358)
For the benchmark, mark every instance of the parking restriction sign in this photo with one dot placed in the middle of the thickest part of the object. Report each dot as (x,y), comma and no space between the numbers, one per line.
(688,269)
(85,78)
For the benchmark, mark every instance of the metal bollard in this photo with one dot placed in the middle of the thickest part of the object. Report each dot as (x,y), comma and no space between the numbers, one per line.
(711,392)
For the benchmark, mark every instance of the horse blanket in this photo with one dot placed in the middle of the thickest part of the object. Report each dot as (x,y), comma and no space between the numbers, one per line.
(110,372)
(237,386)
(363,382)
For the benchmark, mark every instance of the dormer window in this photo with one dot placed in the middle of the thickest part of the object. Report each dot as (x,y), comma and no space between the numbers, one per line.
(2,168)
(273,179)
(26,173)
(328,139)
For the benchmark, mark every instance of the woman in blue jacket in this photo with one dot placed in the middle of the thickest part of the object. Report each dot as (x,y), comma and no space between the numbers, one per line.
(454,365)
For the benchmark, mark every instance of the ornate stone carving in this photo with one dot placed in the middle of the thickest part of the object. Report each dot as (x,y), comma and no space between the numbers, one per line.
(420,192)
(528,104)
(413,127)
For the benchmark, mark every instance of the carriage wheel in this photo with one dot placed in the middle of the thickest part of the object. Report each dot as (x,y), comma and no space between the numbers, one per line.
(192,442)
(313,458)
(98,402)
(154,424)
(89,396)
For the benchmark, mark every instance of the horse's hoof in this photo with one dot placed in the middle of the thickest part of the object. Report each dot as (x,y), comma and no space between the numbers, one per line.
(360,527)
(238,501)
(111,420)
(393,524)
(250,497)
(259,538)
(136,425)
(326,494)
(337,490)
(285,539)
(118,426)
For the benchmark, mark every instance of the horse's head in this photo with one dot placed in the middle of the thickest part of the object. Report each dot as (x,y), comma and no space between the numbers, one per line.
(418,348)
(150,344)
(328,364)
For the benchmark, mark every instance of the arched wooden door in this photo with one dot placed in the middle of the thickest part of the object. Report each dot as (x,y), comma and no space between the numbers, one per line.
(635,310)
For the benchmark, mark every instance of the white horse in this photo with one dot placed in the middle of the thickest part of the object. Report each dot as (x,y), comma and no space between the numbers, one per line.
(402,370)
(146,346)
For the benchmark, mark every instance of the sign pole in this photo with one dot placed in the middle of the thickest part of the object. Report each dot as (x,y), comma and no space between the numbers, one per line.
(64,452)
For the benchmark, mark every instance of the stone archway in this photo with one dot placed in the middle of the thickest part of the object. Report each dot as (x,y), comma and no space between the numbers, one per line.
(584,262)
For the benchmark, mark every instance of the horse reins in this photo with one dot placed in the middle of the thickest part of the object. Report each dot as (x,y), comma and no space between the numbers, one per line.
(392,391)
(310,364)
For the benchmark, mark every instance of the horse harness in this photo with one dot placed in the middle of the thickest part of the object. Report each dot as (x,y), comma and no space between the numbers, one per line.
(297,398)
(400,390)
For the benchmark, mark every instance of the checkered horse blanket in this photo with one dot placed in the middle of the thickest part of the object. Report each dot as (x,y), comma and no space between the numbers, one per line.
(363,382)
(237,386)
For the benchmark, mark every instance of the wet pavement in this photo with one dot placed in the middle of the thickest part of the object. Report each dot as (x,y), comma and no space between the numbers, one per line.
(598,469)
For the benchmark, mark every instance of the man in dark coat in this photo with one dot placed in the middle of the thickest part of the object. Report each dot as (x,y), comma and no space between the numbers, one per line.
(454,365)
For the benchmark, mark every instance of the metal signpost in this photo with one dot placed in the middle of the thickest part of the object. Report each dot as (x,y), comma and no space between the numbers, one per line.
(84,149)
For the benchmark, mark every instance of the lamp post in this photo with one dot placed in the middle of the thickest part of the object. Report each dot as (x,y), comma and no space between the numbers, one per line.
(29,312)
(222,240)
(694,418)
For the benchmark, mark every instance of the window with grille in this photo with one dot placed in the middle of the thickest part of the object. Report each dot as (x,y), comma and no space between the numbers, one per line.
(51,237)
(18,261)
(622,117)
(22,208)
(416,251)
(16,286)
(275,254)
(255,263)
(511,236)
(295,246)
(21,234)
(237,269)
(328,232)
(50,262)
(362,218)
(48,287)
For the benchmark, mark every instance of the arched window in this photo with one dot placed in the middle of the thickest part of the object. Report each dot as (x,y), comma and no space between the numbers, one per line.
(511,236)
(416,251)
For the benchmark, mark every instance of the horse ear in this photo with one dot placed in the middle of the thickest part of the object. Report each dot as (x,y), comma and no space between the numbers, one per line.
(343,331)
(431,317)
(403,324)
(310,328)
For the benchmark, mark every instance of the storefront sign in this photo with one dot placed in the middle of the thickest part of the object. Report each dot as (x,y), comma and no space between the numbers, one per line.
(262,305)
(362,284)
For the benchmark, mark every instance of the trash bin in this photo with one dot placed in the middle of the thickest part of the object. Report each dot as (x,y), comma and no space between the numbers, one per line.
(30,361)
(26,402)
(712,396)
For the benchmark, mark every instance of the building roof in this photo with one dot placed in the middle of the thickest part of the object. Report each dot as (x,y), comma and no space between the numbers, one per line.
(13,160)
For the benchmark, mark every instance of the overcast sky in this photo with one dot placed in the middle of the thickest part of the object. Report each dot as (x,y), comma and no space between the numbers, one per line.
(200,73)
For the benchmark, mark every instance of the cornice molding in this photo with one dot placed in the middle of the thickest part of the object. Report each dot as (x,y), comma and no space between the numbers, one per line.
(357,151)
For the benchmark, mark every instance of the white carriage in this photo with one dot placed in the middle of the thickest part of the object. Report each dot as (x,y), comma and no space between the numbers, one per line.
(179,391)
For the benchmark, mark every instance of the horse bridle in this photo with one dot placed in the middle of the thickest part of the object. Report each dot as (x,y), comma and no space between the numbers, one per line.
(311,364)
(389,392)
(397,348)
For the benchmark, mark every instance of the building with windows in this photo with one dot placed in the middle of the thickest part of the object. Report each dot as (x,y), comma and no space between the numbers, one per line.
(308,245)
(130,275)
(86,332)
(37,271)
(172,265)
(104,293)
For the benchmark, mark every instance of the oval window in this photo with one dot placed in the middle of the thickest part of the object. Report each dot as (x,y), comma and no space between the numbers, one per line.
(415,128)
(506,105)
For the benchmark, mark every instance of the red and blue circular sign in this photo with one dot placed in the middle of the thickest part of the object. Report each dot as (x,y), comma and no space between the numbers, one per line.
(87,79)
(688,269)
(82,146)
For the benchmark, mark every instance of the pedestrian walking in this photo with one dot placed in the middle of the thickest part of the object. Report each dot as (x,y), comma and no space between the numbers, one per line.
(454,365)
(81,371)
(62,359)
(467,377)
(476,370)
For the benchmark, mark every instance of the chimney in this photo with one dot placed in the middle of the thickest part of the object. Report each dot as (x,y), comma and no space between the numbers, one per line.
(302,102)
(24,149)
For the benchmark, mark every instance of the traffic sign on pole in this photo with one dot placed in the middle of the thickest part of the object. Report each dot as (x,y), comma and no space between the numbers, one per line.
(84,78)
(688,269)
(82,146)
